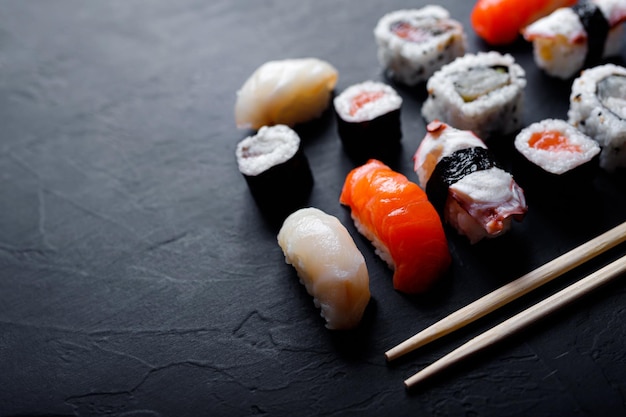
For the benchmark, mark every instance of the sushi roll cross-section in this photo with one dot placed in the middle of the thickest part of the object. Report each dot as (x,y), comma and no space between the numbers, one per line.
(288,91)
(276,170)
(394,214)
(328,264)
(466,184)
(560,153)
(598,109)
(414,43)
(368,119)
(481,92)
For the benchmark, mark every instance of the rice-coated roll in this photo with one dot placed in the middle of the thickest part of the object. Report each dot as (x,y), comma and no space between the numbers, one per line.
(598,109)
(368,118)
(466,184)
(276,169)
(329,265)
(572,38)
(481,92)
(559,150)
(414,43)
(288,92)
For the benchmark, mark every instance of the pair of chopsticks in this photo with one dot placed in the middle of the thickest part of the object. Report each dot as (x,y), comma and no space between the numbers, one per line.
(512,291)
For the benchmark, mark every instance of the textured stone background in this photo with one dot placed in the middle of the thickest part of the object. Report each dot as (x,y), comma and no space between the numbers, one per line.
(138,278)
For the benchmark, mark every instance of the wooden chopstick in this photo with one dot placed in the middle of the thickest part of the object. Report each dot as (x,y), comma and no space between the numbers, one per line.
(512,290)
(526,317)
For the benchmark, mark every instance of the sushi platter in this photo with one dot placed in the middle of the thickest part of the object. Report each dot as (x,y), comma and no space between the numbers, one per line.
(215,209)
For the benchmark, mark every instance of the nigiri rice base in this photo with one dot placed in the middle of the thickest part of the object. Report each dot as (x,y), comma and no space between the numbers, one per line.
(379,247)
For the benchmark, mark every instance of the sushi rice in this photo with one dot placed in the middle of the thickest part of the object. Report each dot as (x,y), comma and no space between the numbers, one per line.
(271,146)
(368,120)
(414,43)
(481,92)
(598,109)
(386,100)
(569,148)
(276,170)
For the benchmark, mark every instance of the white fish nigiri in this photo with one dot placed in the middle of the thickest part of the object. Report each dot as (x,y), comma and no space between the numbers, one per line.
(288,91)
(328,264)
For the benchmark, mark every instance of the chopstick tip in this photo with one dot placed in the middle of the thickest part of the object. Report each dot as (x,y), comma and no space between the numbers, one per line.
(411,382)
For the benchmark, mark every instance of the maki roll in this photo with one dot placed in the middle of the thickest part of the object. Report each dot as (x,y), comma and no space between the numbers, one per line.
(276,170)
(414,43)
(598,109)
(481,92)
(572,38)
(368,119)
(466,184)
(558,152)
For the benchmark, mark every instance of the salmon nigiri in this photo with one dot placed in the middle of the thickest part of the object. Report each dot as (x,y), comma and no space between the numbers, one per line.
(404,227)
(499,22)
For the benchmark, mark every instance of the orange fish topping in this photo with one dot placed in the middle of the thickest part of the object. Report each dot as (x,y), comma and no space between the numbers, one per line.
(396,213)
(499,21)
(552,141)
(362,99)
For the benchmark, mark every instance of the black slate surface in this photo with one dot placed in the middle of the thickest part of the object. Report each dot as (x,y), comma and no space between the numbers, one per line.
(138,278)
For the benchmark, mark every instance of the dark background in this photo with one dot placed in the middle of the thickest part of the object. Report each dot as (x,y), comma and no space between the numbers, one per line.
(138,277)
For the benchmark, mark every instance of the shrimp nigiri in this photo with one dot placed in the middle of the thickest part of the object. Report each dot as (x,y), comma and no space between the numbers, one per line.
(499,22)
(396,216)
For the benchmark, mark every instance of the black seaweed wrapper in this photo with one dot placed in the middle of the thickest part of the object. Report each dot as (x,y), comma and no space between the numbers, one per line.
(376,138)
(597,29)
(283,188)
(452,168)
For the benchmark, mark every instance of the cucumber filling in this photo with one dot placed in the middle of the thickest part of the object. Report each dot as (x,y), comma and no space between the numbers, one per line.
(611,92)
(480,81)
